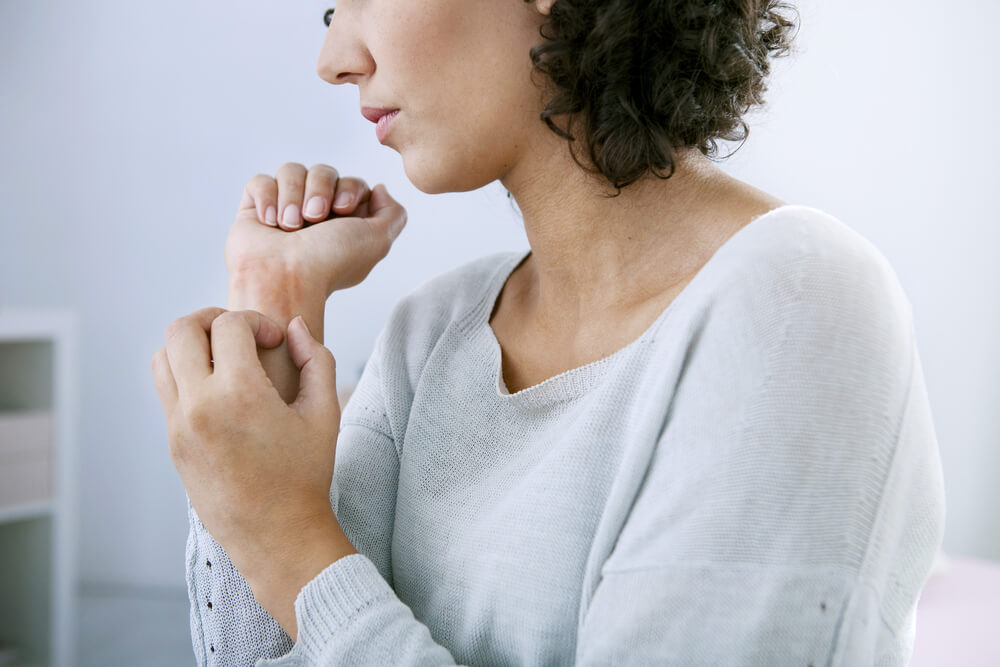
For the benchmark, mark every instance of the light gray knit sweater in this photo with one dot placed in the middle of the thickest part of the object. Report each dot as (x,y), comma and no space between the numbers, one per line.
(753,481)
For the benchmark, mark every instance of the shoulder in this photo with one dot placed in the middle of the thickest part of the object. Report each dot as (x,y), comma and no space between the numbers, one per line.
(798,259)
(806,237)
(796,288)
(834,269)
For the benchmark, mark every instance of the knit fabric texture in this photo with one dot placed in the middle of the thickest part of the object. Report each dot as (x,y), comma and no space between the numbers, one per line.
(755,480)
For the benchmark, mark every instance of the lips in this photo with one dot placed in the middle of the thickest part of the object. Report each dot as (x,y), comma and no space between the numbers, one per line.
(382,118)
(374,113)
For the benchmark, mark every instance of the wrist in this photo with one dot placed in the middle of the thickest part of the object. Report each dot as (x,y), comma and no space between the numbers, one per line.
(280,299)
(277,577)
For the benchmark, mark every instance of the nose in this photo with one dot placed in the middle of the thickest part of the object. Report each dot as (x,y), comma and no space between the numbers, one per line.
(344,57)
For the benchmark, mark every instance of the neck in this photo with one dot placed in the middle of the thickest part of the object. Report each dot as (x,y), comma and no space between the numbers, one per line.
(591,252)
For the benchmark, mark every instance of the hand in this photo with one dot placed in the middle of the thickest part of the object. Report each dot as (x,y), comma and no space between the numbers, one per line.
(257,470)
(339,244)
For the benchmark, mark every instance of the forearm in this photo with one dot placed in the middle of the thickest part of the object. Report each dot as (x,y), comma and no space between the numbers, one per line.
(281,301)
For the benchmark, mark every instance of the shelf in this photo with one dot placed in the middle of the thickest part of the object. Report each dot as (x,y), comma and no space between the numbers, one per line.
(38,390)
(26,456)
(25,511)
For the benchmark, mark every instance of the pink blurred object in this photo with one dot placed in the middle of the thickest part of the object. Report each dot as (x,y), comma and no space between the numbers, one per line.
(958,616)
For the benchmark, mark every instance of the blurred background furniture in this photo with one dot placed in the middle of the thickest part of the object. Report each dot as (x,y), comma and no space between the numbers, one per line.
(37,544)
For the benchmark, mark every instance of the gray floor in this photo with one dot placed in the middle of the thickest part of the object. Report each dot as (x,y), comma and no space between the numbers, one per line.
(125,627)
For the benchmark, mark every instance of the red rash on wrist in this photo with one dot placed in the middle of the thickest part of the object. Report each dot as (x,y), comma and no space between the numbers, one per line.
(280,298)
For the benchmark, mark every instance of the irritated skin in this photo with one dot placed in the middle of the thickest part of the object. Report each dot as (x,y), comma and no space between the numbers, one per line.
(281,298)
(277,572)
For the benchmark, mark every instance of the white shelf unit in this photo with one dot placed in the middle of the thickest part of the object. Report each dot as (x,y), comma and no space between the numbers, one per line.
(37,485)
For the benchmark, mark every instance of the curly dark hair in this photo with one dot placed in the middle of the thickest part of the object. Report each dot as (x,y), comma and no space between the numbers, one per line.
(640,78)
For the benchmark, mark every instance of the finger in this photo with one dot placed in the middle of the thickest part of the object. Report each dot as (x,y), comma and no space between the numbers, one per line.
(321,181)
(317,397)
(163,380)
(189,353)
(387,217)
(236,336)
(291,179)
(261,193)
(351,193)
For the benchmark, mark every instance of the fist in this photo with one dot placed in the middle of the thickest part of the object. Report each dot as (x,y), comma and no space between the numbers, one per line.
(311,227)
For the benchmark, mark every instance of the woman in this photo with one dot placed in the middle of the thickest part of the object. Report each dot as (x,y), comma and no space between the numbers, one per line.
(689,427)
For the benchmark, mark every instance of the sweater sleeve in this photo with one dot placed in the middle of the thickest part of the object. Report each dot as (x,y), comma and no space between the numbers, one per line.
(794,503)
(228,627)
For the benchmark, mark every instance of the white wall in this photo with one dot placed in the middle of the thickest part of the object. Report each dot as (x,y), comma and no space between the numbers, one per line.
(128,129)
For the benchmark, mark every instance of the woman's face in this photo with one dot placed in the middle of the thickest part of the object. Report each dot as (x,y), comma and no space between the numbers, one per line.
(459,72)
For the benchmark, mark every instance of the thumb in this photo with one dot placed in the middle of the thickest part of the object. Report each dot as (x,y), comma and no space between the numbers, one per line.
(386,215)
(266,332)
(317,395)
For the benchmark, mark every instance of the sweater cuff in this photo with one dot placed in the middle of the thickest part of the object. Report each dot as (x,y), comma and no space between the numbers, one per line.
(334,598)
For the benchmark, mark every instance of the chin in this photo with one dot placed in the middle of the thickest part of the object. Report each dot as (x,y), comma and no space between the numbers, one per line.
(437,174)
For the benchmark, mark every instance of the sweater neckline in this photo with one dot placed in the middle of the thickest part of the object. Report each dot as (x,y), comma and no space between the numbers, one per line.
(575,382)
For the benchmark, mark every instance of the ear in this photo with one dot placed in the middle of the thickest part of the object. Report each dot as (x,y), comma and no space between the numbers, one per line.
(544,7)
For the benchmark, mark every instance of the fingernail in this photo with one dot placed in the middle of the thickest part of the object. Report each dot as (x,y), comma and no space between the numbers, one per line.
(314,208)
(343,199)
(291,217)
(305,326)
(271,216)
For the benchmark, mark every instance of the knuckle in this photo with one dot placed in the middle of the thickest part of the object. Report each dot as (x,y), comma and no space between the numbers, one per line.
(199,416)
(327,356)
(321,169)
(355,184)
(259,184)
(175,327)
(291,169)
(226,319)
(326,361)
(157,361)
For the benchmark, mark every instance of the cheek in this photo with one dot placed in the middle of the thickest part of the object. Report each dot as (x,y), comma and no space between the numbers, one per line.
(462,74)
(464,146)
(465,140)
(420,36)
